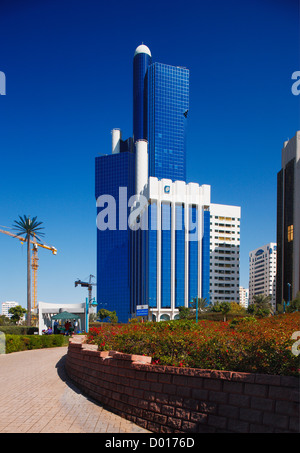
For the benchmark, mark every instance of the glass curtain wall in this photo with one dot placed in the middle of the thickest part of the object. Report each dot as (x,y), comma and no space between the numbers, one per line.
(168,103)
(113,246)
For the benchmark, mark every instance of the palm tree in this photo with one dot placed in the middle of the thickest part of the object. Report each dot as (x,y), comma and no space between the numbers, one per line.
(260,305)
(201,302)
(30,228)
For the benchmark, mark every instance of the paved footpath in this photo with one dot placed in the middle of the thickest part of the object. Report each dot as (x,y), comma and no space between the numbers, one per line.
(36,396)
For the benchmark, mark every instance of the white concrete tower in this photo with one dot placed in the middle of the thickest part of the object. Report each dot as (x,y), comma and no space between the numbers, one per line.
(141,165)
(116,140)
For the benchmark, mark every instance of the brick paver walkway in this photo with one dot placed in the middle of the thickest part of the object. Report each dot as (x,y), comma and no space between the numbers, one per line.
(37,397)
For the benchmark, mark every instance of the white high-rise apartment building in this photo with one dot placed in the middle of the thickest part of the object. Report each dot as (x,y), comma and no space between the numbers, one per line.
(6,306)
(224,253)
(262,272)
(244,297)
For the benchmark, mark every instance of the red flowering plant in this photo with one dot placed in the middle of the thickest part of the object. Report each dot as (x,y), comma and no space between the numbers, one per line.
(247,345)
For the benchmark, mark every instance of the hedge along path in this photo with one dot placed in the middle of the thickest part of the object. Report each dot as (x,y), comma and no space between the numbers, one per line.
(37,397)
(16,343)
(2,343)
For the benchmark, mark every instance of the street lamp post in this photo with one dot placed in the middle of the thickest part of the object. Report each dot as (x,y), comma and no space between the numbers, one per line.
(88,304)
(196,307)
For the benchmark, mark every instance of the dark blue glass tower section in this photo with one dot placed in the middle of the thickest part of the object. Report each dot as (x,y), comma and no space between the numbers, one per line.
(168,104)
(113,251)
(141,62)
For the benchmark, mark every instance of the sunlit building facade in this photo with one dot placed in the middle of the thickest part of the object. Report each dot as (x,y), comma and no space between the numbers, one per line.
(224,253)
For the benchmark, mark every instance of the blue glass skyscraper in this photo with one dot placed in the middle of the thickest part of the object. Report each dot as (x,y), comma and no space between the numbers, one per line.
(158,266)
(160,109)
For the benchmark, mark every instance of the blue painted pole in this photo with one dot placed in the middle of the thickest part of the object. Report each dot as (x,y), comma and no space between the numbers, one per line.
(87,315)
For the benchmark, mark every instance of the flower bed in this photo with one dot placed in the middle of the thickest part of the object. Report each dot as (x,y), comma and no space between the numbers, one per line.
(247,345)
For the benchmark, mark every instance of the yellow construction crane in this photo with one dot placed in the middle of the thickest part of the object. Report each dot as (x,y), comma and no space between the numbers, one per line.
(34,260)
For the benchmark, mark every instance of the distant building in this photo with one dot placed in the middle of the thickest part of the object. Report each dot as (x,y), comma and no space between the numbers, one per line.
(6,306)
(288,222)
(224,253)
(262,272)
(244,297)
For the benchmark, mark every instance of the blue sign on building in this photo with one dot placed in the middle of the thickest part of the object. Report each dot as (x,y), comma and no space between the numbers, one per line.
(142,310)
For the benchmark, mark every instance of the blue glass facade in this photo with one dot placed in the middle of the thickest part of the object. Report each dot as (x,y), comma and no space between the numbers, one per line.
(113,257)
(168,104)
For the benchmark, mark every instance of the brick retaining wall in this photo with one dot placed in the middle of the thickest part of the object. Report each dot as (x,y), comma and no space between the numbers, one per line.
(166,399)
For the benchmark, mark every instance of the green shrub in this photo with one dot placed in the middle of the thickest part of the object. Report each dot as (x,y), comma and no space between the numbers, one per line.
(18,330)
(15,343)
(241,321)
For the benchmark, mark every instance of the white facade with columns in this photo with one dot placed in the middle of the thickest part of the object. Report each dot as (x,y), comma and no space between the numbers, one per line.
(178,192)
(216,270)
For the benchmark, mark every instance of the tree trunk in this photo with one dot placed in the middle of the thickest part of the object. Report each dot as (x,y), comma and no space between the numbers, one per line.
(28,282)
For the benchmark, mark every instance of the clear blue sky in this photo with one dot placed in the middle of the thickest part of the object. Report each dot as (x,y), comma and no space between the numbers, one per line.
(68,67)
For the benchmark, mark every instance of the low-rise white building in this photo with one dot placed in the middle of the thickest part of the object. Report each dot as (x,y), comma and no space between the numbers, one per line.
(6,306)
(244,297)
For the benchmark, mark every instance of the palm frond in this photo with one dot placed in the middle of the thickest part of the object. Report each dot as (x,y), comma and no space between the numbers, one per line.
(28,227)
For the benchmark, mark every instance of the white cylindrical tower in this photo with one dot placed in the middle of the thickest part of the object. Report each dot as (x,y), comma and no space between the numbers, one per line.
(141,165)
(116,140)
